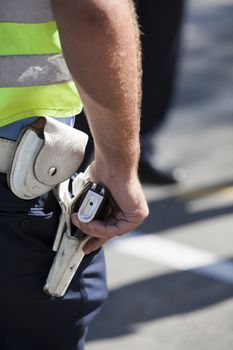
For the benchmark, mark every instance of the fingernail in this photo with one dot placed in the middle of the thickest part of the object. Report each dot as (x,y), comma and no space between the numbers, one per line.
(76,223)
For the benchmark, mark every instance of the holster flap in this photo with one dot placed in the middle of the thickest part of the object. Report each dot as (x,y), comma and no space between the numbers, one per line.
(47,153)
(61,153)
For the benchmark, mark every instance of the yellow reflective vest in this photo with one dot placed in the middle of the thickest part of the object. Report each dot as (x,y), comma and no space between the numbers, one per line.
(34,79)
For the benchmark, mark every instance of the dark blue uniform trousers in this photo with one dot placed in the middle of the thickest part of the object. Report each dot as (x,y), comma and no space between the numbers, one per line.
(30,319)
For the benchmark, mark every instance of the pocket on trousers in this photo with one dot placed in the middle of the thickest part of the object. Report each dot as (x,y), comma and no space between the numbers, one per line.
(36,227)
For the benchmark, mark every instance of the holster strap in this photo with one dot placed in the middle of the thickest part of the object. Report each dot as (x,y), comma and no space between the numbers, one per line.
(7,149)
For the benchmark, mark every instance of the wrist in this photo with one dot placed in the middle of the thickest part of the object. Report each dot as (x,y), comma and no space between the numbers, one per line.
(116,168)
(109,173)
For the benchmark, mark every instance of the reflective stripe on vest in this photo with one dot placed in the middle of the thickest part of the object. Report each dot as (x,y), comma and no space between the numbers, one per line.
(34,79)
(25,11)
(32,70)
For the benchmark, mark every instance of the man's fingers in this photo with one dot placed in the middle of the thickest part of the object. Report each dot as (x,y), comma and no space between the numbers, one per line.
(106,230)
(93,244)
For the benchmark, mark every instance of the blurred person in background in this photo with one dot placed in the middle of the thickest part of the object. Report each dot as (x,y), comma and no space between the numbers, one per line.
(160,23)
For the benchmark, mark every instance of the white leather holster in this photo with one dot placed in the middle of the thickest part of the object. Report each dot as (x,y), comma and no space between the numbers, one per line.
(69,248)
(47,153)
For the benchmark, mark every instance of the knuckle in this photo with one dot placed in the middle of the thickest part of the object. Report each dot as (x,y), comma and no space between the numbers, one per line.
(144,212)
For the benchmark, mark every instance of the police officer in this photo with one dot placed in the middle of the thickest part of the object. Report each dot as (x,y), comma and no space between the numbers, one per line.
(100,45)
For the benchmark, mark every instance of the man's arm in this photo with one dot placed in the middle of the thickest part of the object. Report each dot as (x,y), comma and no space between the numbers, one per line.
(101,46)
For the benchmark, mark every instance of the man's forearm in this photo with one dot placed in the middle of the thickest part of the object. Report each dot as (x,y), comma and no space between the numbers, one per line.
(100,44)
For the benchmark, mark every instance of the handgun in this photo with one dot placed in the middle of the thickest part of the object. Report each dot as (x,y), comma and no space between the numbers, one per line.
(93,202)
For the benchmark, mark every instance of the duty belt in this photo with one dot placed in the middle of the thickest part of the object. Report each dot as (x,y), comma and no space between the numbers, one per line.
(7,149)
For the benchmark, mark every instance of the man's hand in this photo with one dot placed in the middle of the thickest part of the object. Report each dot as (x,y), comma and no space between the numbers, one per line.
(132,211)
(100,41)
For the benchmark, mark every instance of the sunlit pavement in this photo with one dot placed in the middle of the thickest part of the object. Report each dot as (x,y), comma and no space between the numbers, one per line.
(171,282)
